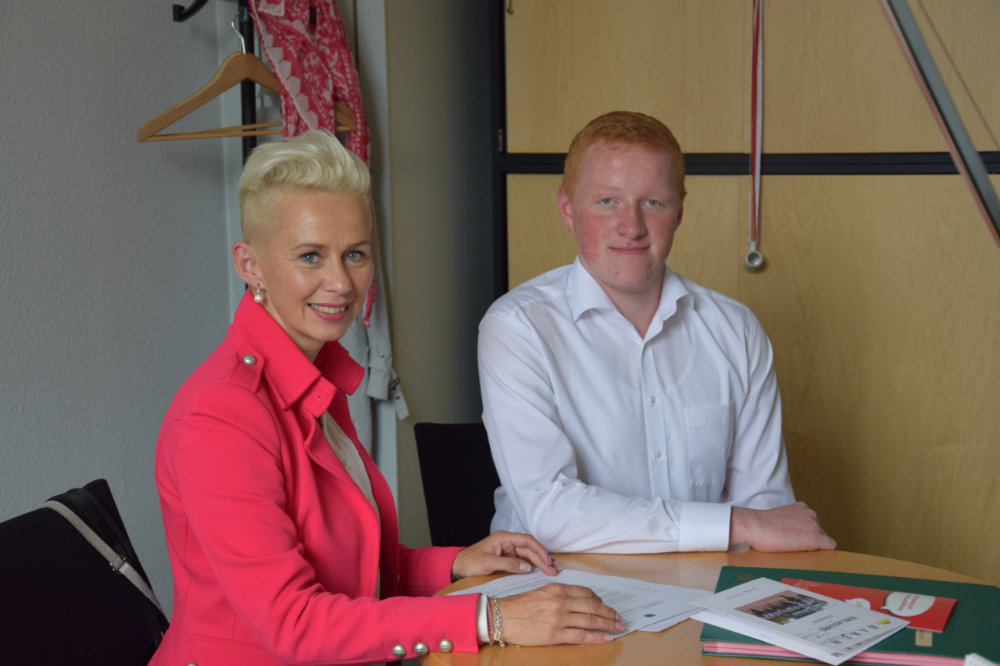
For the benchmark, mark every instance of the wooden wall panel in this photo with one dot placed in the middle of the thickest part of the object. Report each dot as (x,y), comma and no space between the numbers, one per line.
(835,80)
(537,239)
(881,300)
(682,61)
(881,297)
(962,36)
(707,246)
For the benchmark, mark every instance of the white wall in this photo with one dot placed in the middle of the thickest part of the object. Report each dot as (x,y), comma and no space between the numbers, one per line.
(112,252)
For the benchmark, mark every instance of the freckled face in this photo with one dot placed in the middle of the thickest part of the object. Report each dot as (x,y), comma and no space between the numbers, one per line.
(624,213)
(316,266)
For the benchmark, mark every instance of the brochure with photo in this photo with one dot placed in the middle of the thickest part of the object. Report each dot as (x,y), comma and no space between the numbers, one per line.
(806,622)
(922,610)
(972,626)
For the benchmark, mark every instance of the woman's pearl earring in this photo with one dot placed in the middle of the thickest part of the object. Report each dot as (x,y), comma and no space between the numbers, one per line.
(258,298)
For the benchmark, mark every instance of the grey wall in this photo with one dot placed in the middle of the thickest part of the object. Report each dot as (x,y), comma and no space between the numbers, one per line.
(442,261)
(112,252)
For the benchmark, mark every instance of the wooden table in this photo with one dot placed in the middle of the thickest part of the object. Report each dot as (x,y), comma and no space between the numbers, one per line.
(678,645)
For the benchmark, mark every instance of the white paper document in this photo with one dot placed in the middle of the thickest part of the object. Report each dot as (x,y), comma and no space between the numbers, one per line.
(811,624)
(642,605)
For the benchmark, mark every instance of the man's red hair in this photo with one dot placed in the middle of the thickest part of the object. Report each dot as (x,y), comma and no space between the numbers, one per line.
(624,128)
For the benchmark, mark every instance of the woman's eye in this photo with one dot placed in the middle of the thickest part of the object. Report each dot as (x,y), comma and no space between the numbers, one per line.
(310,257)
(606,200)
(654,202)
(355,255)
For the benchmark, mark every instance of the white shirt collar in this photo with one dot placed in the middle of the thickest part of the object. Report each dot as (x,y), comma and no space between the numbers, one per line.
(585,293)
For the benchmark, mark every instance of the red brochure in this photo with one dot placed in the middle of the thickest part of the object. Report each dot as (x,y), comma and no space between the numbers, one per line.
(923,611)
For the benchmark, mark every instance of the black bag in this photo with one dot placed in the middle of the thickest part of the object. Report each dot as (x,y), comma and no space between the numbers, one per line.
(63,601)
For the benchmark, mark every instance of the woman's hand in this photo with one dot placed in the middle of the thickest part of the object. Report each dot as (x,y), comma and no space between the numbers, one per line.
(547,616)
(506,552)
(557,614)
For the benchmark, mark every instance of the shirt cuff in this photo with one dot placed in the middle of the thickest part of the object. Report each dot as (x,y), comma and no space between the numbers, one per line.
(482,631)
(704,526)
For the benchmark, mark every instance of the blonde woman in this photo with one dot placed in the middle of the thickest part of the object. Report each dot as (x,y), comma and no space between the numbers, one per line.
(282,532)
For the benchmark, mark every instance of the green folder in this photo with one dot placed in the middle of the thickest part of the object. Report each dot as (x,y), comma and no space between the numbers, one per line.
(974,625)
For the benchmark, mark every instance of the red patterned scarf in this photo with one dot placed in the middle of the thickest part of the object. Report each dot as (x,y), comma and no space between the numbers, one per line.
(305,42)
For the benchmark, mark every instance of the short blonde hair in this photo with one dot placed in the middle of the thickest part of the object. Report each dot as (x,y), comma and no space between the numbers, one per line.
(314,161)
(628,128)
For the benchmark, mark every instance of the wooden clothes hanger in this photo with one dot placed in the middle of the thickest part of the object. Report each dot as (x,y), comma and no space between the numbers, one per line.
(234,69)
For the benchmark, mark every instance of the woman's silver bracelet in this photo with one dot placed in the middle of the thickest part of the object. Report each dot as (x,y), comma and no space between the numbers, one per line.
(497,623)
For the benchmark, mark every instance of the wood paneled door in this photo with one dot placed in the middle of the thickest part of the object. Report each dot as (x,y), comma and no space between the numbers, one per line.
(881,292)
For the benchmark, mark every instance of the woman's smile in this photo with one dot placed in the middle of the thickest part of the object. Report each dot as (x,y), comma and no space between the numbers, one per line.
(329,312)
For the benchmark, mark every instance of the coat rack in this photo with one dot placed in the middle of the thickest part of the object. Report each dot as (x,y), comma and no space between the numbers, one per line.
(247,69)
(248,102)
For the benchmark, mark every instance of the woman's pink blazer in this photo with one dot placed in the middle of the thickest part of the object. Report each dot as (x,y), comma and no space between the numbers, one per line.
(275,551)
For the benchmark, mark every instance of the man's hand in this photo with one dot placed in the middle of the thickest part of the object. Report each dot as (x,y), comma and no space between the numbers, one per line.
(502,552)
(784,529)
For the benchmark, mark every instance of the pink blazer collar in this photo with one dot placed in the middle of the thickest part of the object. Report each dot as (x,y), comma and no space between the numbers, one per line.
(287,369)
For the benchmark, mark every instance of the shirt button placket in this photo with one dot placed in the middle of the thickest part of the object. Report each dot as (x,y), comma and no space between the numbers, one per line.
(655,431)
(659,452)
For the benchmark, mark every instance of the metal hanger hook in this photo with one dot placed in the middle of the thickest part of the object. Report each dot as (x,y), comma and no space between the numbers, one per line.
(243,43)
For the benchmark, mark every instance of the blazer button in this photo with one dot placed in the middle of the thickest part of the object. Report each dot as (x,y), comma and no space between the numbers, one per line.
(398,651)
(191,663)
(421,649)
(249,359)
(445,645)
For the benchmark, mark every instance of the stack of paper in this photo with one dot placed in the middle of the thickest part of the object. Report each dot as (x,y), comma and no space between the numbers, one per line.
(805,622)
(643,606)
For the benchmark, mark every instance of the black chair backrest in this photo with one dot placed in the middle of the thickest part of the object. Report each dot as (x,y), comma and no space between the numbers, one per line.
(459,479)
(62,603)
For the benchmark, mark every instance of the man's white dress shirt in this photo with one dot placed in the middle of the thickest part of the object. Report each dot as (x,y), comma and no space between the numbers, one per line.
(607,442)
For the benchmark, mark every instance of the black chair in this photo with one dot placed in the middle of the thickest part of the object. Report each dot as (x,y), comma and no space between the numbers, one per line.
(459,479)
(62,601)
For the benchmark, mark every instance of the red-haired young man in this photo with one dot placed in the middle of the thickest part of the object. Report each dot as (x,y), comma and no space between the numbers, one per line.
(629,409)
